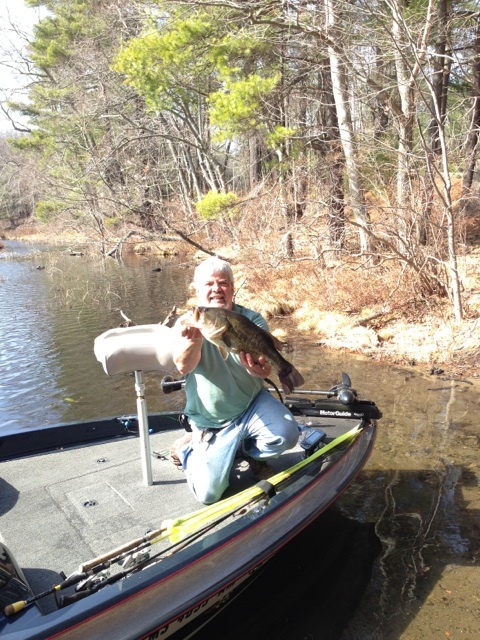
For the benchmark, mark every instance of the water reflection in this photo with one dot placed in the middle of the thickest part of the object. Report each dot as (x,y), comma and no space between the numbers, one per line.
(310,589)
(50,318)
(397,557)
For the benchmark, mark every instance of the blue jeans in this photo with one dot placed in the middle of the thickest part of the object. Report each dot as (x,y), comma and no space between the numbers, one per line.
(265,430)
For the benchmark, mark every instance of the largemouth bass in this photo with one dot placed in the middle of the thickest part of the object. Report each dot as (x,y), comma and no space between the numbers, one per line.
(232,331)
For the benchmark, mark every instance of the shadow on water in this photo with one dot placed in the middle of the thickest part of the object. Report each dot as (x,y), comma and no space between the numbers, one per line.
(310,589)
(430,538)
(342,579)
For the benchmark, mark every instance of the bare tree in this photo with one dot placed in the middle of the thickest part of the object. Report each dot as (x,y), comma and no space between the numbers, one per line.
(345,127)
(473,134)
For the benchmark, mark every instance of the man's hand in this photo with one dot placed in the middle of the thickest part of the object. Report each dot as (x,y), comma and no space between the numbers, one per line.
(192,334)
(257,368)
(187,349)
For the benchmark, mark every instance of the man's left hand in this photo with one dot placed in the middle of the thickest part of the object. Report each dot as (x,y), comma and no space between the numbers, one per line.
(258,368)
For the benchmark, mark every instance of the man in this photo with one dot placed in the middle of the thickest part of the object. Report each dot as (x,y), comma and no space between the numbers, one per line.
(228,408)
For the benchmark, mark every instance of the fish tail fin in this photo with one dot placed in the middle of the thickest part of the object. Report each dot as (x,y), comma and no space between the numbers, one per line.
(290,380)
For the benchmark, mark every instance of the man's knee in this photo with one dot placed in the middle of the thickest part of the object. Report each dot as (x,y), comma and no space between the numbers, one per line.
(288,433)
(291,436)
(207,495)
(207,487)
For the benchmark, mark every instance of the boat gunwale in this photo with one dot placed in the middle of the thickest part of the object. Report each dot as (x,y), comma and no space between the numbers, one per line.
(59,436)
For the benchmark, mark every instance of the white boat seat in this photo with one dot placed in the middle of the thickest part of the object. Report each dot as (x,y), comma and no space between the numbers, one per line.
(146,347)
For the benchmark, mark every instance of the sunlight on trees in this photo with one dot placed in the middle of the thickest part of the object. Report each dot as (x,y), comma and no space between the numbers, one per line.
(345,134)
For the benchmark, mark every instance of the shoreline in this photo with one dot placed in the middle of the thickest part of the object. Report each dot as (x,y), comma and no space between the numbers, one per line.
(435,345)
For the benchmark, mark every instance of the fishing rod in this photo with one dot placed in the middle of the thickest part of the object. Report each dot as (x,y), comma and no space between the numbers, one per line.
(104,562)
(93,567)
(169,551)
(139,543)
(90,569)
(75,578)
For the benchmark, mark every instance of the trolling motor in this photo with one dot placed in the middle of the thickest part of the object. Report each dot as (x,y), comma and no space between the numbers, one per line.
(341,401)
(344,392)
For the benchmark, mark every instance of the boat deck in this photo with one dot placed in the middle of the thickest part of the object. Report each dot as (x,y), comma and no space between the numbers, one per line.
(81,502)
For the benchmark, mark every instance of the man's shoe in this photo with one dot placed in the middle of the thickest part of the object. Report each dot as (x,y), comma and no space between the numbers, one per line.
(178,444)
(260,469)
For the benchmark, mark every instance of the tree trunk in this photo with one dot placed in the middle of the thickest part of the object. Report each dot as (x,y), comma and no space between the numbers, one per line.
(440,77)
(255,163)
(406,78)
(405,123)
(438,108)
(347,137)
(472,140)
(335,163)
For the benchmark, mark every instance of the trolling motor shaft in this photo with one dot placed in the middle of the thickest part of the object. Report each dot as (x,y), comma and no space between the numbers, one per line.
(343,391)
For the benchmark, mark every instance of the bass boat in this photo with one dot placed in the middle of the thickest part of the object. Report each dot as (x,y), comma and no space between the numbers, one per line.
(100,537)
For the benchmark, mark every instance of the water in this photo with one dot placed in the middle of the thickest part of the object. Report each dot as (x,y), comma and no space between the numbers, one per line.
(396,558)
(53,305)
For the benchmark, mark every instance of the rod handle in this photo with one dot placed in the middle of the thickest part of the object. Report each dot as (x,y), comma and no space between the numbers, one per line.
(15,607)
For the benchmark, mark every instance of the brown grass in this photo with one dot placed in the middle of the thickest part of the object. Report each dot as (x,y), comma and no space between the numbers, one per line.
(372,309)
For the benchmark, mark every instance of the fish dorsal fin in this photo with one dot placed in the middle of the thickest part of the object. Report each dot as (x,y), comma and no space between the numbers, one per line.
(278,344)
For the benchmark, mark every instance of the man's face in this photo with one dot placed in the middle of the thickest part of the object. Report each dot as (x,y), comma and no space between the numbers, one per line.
(215,291)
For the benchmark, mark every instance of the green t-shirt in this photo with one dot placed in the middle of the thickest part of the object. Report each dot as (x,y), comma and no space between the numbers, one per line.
(219,390)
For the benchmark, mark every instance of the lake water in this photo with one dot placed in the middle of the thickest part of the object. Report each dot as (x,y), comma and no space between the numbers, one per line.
(397,557)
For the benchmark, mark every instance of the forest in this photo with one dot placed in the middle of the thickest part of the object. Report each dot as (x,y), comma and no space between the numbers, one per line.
(329,138)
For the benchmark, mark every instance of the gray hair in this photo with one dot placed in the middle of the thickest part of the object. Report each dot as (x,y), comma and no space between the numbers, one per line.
(210,266)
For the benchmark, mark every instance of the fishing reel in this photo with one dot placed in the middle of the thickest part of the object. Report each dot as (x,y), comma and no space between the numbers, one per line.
(134,559)
(92,581)
(344,392)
